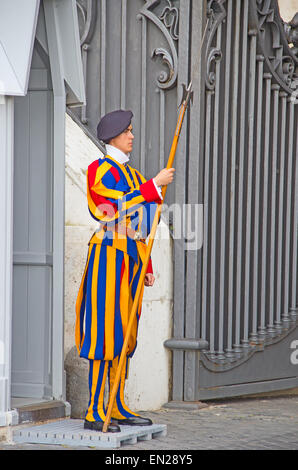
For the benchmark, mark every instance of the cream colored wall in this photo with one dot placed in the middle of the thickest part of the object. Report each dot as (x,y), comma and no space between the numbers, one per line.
(150,369)
(287,9)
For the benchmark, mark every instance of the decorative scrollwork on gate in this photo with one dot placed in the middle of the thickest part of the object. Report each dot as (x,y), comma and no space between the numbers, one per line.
(170,17)
(215,14)
(87,18)
(291,32)
(167,22)
(280,58)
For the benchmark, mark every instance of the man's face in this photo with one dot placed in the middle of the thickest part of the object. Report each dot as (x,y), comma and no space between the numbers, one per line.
(124,141)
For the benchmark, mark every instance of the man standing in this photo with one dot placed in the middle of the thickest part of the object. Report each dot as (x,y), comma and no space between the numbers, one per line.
(123,203)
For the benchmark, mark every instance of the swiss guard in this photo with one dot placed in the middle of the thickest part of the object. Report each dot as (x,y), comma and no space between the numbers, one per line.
(124,204)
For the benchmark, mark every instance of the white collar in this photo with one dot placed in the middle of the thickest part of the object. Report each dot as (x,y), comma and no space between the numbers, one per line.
(117,154)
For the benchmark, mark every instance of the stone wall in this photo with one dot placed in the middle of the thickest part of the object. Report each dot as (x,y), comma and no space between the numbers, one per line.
(287,9)
(148,384)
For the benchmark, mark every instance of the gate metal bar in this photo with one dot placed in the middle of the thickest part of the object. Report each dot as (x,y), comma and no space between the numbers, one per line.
(230,260)
(281,210)
(275,88)
(228,73)
(260,68)
(239,287)
(288,224)
(294,297)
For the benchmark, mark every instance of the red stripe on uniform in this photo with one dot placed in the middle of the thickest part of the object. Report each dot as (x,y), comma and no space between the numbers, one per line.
(108,208)
(115,173)
(149,192)
(149,267)
(92,168)
(122,271)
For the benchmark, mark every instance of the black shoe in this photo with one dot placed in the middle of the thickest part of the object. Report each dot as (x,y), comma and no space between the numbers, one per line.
(135,421)
(98,425)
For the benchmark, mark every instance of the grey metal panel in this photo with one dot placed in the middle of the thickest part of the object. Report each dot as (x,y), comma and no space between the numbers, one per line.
(33,226)
(21,180)
(259,189)
(31,258)
(64,18)
(38,79)
(57,150)
(272,362)
(6,252)
(251,388)
(31,324)
(294,293)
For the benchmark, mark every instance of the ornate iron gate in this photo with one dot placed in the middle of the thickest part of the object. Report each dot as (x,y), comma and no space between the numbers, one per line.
(235,301)
(248,265)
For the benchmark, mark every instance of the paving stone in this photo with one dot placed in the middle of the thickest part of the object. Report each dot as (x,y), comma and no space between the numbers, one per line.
(250,424)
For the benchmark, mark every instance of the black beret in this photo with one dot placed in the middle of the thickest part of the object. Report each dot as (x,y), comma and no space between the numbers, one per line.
(112,124)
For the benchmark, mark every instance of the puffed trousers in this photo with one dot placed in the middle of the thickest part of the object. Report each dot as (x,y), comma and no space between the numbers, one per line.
(103,306)
(99,371)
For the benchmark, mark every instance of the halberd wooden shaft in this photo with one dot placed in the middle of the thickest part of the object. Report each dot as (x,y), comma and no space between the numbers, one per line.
(171,158)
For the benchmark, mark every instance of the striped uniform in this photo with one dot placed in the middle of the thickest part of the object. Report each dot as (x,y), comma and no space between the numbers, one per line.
(117,194)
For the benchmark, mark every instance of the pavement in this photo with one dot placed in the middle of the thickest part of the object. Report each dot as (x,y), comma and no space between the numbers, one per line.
(267,423)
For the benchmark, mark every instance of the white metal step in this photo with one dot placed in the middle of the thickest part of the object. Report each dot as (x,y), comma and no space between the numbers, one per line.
(71,432)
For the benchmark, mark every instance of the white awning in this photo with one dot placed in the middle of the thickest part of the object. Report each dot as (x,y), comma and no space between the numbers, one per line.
(18,21)
(54,23)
